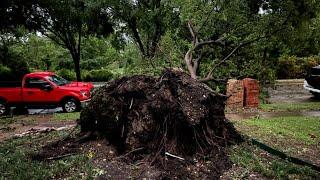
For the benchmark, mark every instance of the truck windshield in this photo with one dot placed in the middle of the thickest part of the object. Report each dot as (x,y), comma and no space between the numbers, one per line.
(58,80)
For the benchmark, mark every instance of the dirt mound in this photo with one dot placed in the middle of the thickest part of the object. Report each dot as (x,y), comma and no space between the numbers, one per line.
(156,119)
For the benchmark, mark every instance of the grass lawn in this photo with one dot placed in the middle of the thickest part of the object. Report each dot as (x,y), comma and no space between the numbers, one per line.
(4,121)
(297,136)
(296,128)
(254,163)
(16,161)
(66,116)
(291,106)
(12,125)
(31,119)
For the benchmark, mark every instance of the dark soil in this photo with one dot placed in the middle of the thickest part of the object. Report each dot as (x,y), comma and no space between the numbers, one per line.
(144,118)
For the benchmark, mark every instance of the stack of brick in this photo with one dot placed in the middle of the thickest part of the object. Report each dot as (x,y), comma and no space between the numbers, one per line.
(235,91)
(251,92)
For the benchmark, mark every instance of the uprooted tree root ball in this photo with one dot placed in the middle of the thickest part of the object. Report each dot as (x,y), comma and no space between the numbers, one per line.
(172,122)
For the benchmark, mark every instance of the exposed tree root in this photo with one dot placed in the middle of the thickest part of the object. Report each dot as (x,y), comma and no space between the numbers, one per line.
(174,114)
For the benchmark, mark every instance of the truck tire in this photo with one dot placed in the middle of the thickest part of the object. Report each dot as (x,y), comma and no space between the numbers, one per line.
(70,105)
(4,109)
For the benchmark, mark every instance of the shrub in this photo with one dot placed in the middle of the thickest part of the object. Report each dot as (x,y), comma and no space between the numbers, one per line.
(14,71)
(101,75)
(6,73)
(14,66)
(19,69)
(65,64)
(90,64)
(309,63)
(292,67)
(67,74)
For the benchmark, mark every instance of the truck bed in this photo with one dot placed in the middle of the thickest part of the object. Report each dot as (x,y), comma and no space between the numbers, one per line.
(12,94)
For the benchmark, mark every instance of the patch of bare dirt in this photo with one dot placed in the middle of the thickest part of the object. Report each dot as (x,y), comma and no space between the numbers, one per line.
(115,165)
(28,123)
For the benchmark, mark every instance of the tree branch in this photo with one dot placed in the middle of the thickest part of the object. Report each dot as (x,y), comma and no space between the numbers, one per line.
(207,18)
(217,42)
(54,39)
(242,44)
(209,75)
(193,64)
(195,40)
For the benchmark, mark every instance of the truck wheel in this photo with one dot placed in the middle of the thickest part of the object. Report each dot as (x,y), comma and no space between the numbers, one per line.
(70,105)
(3,108)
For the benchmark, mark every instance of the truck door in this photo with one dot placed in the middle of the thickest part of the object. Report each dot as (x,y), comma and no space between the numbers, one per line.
(33,92)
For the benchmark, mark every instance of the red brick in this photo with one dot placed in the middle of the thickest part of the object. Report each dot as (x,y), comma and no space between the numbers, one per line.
(251,92)
(235,91)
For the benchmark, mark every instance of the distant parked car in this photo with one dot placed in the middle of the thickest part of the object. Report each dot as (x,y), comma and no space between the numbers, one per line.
(44,90)
(312,82)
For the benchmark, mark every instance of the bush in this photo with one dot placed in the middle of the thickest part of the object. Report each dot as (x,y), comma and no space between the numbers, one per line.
(19,68)
(310,62)
(6,74)
(292,67)
(101,75)
(65,64)
(90,64)
(14,66)
(14,70)
(67,74)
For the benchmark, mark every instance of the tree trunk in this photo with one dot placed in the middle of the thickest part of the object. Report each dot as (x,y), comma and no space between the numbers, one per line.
(136,36)
(76,62)
(77,67)
(78,54)
(190,66)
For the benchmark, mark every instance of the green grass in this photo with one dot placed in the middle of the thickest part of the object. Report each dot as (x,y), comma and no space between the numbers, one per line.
(7,121)
(289,134)
(16,162)
(32,119)
(297,128)
(252,159)
(66,116)
(297,136)
(291,106)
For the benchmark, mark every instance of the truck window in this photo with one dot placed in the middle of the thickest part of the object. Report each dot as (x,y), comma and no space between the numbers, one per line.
(58,80)
(35,83)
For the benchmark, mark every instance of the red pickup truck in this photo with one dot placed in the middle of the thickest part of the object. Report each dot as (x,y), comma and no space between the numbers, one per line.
(44,89)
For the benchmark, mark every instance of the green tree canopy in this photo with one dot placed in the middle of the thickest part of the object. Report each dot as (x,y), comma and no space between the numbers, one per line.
(145,22)
(220,29)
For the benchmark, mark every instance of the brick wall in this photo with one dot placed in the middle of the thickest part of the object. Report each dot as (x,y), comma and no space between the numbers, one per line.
(243,93)
(236,91)
(251,92)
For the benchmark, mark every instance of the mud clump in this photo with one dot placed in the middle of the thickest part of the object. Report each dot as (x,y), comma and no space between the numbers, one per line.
(149,119)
